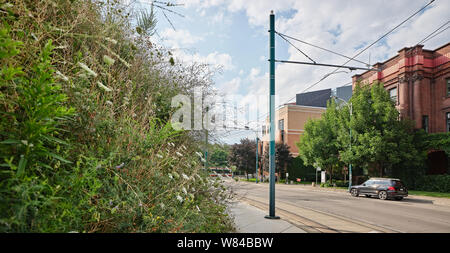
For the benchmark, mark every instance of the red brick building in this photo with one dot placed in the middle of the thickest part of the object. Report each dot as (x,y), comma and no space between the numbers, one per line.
(419,81)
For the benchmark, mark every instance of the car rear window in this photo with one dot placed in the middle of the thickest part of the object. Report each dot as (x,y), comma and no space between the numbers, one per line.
(397,183)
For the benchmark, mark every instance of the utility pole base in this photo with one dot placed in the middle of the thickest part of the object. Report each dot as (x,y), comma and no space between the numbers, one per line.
(272,217)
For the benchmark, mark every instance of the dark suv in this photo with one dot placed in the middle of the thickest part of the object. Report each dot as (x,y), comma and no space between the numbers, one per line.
(383,188)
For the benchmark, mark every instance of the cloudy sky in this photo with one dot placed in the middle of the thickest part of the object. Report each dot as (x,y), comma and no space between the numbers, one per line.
(234,34)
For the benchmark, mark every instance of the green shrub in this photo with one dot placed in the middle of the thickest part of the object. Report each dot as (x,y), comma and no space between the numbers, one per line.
(341,183)
(433,183)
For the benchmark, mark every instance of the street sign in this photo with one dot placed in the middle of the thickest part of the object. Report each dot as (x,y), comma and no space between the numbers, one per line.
(323,177)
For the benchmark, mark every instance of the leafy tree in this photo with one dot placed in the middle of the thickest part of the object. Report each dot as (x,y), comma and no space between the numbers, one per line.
(219,155)
(298,169)
(243,156)
(379,139)
(319,146)
(283,159)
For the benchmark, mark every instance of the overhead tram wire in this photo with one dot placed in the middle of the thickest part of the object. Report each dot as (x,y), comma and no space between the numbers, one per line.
(428,36)
(436,34)
(330,51)
(295,47)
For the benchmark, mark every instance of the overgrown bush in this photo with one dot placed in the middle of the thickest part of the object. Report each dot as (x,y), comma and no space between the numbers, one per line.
(85,139)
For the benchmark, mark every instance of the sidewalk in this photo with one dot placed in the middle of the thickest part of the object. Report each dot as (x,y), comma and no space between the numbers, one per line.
(250,219)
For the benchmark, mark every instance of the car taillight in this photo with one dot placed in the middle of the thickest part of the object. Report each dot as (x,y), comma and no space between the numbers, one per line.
(391,188)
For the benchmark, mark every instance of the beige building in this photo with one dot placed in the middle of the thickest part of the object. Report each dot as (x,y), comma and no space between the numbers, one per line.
(290,120)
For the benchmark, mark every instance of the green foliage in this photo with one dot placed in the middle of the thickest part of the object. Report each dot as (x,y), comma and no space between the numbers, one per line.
(379,139)
(319,145)
(243,156)
(85,138)
(370,136)
(341,183)
(146,22)
(283,159)
(438,141)
(34,112)
(433,183)
(218,155)
(297,169)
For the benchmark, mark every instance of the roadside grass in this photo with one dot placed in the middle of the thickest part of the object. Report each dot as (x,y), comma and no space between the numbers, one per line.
(430,194)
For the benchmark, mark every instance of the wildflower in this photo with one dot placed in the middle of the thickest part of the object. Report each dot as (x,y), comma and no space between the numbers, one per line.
(185,176)
(7,5)
(140,203)
(100,85)
(34,36)
(159,156)
(170,176)
(110,203)
(111,40)
(87,69)
(60,75)
(193,189)
(162,205)
(184,190)
(108,60)
(179,154)
(120,166)
(83,75)
(179,198)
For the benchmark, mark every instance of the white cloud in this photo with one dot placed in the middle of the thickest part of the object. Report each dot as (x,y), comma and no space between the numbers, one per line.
(179,38)
(231,87)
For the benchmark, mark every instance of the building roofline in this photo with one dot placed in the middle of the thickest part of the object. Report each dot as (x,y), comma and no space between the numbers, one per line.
(429,50)
(305,106)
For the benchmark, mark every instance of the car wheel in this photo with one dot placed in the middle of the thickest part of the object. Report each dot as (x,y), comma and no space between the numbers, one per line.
(354,192)
(382,195)
(367,196)
(398,198)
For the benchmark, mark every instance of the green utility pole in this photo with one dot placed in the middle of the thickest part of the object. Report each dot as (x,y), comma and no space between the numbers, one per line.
(257,139)
(272,122)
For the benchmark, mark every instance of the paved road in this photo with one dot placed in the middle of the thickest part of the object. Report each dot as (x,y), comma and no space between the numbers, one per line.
(340,212)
